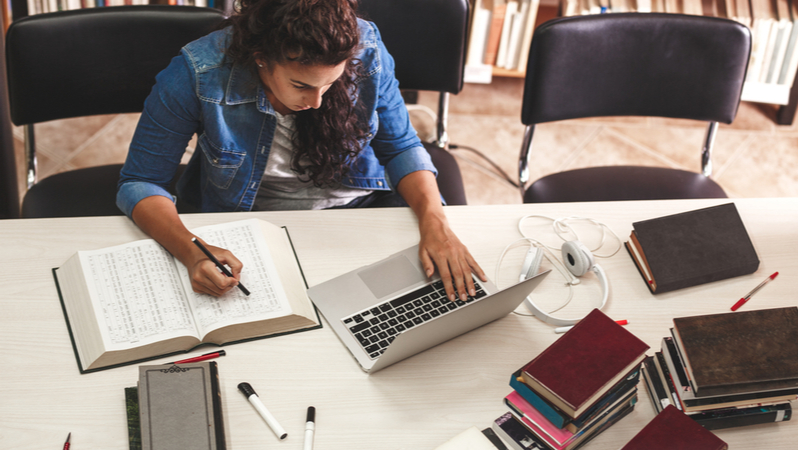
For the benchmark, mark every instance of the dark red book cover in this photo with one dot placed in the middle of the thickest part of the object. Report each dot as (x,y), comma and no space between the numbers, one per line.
(578,368)
(671,429)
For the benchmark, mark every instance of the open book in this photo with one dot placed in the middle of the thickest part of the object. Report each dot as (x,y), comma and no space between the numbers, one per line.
(134,302)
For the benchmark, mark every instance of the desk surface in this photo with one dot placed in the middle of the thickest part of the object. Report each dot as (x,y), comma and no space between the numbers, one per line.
(416,404)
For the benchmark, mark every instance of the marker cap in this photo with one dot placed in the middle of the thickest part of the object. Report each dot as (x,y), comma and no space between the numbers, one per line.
(310,414)
(246,389)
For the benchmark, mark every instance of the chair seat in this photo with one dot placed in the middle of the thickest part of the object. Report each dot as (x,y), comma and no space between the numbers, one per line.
(91,191)
(610,183)
(83,192)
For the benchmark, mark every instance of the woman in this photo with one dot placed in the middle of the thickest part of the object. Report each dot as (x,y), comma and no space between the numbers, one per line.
(295,106)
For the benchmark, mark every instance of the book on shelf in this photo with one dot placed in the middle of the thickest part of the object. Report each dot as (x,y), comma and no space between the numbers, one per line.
(692,248)
(671,429)
(179,407)
(134,302)
(739,352)
(582,365)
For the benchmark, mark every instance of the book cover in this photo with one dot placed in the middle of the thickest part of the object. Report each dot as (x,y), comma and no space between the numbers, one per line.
(672,429)
(180,407)
(515,434)
(471,439)
(694,247)
(134,302)
(739,352)
(691,403)
(583,364)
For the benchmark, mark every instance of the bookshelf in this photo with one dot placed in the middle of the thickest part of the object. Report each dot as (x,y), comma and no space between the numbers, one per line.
(772,71)
(17,9)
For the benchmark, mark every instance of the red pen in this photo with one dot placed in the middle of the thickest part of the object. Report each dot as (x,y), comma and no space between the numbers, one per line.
(744,299)
(200,358)
(66,444)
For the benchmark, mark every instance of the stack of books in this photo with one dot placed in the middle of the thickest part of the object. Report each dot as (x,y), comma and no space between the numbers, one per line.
(577,388)
(728,370)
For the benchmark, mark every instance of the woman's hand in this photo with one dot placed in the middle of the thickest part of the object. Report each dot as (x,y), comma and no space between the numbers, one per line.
(439,247)
(157,216)
(208,279)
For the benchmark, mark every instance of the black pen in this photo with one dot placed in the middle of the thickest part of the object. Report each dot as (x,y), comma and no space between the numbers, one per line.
(219,264)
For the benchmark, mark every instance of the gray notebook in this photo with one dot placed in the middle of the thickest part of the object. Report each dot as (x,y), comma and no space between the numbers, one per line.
(180,407)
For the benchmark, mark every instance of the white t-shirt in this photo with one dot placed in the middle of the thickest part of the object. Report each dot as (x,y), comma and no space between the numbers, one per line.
(281,189)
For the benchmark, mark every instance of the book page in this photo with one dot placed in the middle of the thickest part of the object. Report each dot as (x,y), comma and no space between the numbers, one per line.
(137,295)
(267,297)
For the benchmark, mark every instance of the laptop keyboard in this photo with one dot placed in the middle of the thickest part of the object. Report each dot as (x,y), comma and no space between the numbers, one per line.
(376,327)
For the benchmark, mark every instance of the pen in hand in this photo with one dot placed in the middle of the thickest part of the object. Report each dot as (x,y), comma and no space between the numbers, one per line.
(219,265)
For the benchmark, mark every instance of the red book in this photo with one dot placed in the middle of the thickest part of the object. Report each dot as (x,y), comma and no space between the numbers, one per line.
(583,364)
(672,429)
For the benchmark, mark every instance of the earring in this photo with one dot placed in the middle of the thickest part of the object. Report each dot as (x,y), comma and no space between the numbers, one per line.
(260,65)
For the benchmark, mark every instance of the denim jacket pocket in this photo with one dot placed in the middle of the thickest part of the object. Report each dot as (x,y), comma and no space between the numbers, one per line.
(220,166)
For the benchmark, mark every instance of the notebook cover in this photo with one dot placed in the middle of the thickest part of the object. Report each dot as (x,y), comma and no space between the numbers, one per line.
(737,352)
(672,429)
(180,407)
(591,356)
(696,247)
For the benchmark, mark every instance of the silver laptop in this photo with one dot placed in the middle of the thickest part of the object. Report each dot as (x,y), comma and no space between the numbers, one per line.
(388,311)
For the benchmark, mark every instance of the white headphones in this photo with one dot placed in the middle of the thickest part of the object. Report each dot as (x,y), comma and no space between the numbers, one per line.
(578,260)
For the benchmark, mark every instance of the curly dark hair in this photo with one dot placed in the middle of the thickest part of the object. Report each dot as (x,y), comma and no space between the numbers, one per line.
(310,32)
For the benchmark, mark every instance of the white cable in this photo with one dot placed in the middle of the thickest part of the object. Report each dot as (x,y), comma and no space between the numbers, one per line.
(547,254)
(560,227)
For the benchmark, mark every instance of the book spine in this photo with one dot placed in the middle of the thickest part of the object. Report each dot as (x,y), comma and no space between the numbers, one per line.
(548,411)
(216,399)
(757,416)
(657,392)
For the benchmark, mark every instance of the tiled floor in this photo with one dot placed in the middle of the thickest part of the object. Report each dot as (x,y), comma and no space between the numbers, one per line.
(753,157)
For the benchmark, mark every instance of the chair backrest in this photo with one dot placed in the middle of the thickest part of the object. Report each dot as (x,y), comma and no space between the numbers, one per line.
(427,39)
(95,60)
(629,64)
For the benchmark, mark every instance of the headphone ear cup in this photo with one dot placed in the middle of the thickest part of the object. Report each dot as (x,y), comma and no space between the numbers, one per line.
(577,257)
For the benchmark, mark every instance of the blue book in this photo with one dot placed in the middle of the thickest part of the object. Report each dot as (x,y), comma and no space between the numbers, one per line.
(561,419)
(552,414)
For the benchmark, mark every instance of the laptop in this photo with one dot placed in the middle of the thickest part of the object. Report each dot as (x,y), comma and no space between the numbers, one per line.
(389,310)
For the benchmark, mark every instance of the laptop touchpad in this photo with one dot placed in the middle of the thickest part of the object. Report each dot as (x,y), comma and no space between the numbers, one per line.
(391,276)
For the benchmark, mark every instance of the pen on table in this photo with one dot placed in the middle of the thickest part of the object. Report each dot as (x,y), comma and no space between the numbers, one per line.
(218,264)
(252,397)
(744,299)
(66,444)
(565,329)
(308,442)
(203,357)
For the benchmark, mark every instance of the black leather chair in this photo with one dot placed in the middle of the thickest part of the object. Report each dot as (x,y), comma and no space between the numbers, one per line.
(666,65)
(87,62)
(428,41)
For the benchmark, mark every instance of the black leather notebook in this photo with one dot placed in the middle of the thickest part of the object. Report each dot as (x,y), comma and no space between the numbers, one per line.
(692,248)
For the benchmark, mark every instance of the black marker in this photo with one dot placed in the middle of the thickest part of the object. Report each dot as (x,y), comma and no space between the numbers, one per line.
(308,443)
(219,264)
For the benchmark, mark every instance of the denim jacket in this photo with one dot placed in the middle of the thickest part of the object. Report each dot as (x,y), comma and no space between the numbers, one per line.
(225,105)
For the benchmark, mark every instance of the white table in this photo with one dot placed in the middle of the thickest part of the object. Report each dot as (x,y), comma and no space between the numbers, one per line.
(417,404)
